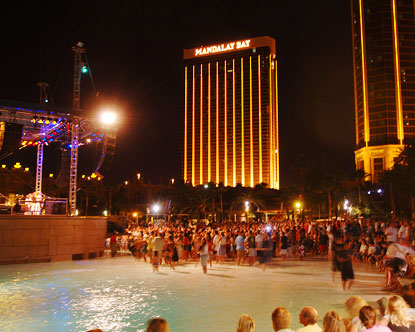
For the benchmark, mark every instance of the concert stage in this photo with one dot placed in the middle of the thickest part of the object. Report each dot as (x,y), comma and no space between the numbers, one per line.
(28,239)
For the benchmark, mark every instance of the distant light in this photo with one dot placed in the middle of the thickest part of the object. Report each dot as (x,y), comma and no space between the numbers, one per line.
(83,176)
(172,181)
(155,208)
(206,186)
(138,176)
(126,183)
(380,191)
(99,178)
(3,166)
(346,202)
(369,192)
(84,69)
(135,214)
(51,175)
(93,175)
(108,117)
(76,212)
(276,151)
(46,100)
(105,213)
(26,169)
(17,165)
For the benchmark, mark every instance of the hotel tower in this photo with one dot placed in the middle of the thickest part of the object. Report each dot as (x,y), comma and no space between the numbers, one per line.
(384,81)
(231,114)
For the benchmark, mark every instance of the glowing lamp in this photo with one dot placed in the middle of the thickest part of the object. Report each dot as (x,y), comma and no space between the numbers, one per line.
(156,208)
(108,117)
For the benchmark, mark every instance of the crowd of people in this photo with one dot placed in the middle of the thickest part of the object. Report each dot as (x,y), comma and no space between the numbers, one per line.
(392,314)
(388,245)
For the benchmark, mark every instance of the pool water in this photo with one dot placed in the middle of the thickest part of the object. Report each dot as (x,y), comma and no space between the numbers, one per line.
(121,294)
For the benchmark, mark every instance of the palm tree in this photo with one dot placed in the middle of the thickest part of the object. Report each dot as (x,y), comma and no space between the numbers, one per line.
(251,196)
(359,176)
(199,203)
(331,179)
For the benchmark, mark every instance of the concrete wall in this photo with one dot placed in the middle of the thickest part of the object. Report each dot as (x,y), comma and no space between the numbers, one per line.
(25,239)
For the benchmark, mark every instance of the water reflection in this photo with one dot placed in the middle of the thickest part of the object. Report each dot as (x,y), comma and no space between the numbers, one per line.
(121,295)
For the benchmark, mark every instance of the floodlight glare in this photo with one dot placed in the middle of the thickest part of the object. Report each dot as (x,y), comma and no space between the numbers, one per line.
(108,117)
(156,208)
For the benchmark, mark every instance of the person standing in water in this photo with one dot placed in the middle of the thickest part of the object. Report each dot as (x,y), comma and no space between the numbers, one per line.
(204,255)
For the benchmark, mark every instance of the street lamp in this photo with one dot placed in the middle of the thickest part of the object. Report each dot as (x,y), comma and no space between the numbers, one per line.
(156,209)
(247,210)
(299,206)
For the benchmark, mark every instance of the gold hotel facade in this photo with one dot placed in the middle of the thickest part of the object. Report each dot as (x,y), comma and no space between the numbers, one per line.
(231,114)
(384,81)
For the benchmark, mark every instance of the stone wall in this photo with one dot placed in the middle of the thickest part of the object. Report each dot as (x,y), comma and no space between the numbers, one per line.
(25,239)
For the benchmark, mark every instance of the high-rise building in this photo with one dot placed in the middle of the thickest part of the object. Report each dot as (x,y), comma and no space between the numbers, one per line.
(384,81)
(231,114)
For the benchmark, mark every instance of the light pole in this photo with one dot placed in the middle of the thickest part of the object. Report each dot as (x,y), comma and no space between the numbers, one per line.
(156,209)
(247,210)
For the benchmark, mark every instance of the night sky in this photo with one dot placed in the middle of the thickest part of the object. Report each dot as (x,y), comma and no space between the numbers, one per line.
(134,49)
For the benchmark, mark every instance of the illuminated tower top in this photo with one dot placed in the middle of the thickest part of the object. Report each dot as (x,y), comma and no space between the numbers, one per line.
(231,113)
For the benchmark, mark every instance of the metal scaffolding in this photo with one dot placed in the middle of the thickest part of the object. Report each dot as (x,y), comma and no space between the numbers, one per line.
(78,50)
(39,167)
(73,169)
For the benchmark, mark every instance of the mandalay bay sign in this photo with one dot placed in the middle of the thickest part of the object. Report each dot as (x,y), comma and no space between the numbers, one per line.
(222,47)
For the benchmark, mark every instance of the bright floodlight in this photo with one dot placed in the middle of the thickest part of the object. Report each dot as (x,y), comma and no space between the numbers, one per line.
(156,208)
(108,117)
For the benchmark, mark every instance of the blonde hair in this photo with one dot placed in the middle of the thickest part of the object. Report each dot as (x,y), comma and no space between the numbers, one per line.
(332,322)
(397,310)
(246,324)
(353,305)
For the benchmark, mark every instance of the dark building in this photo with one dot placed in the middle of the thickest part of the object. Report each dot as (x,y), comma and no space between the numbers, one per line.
(231,114)
(384,81)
